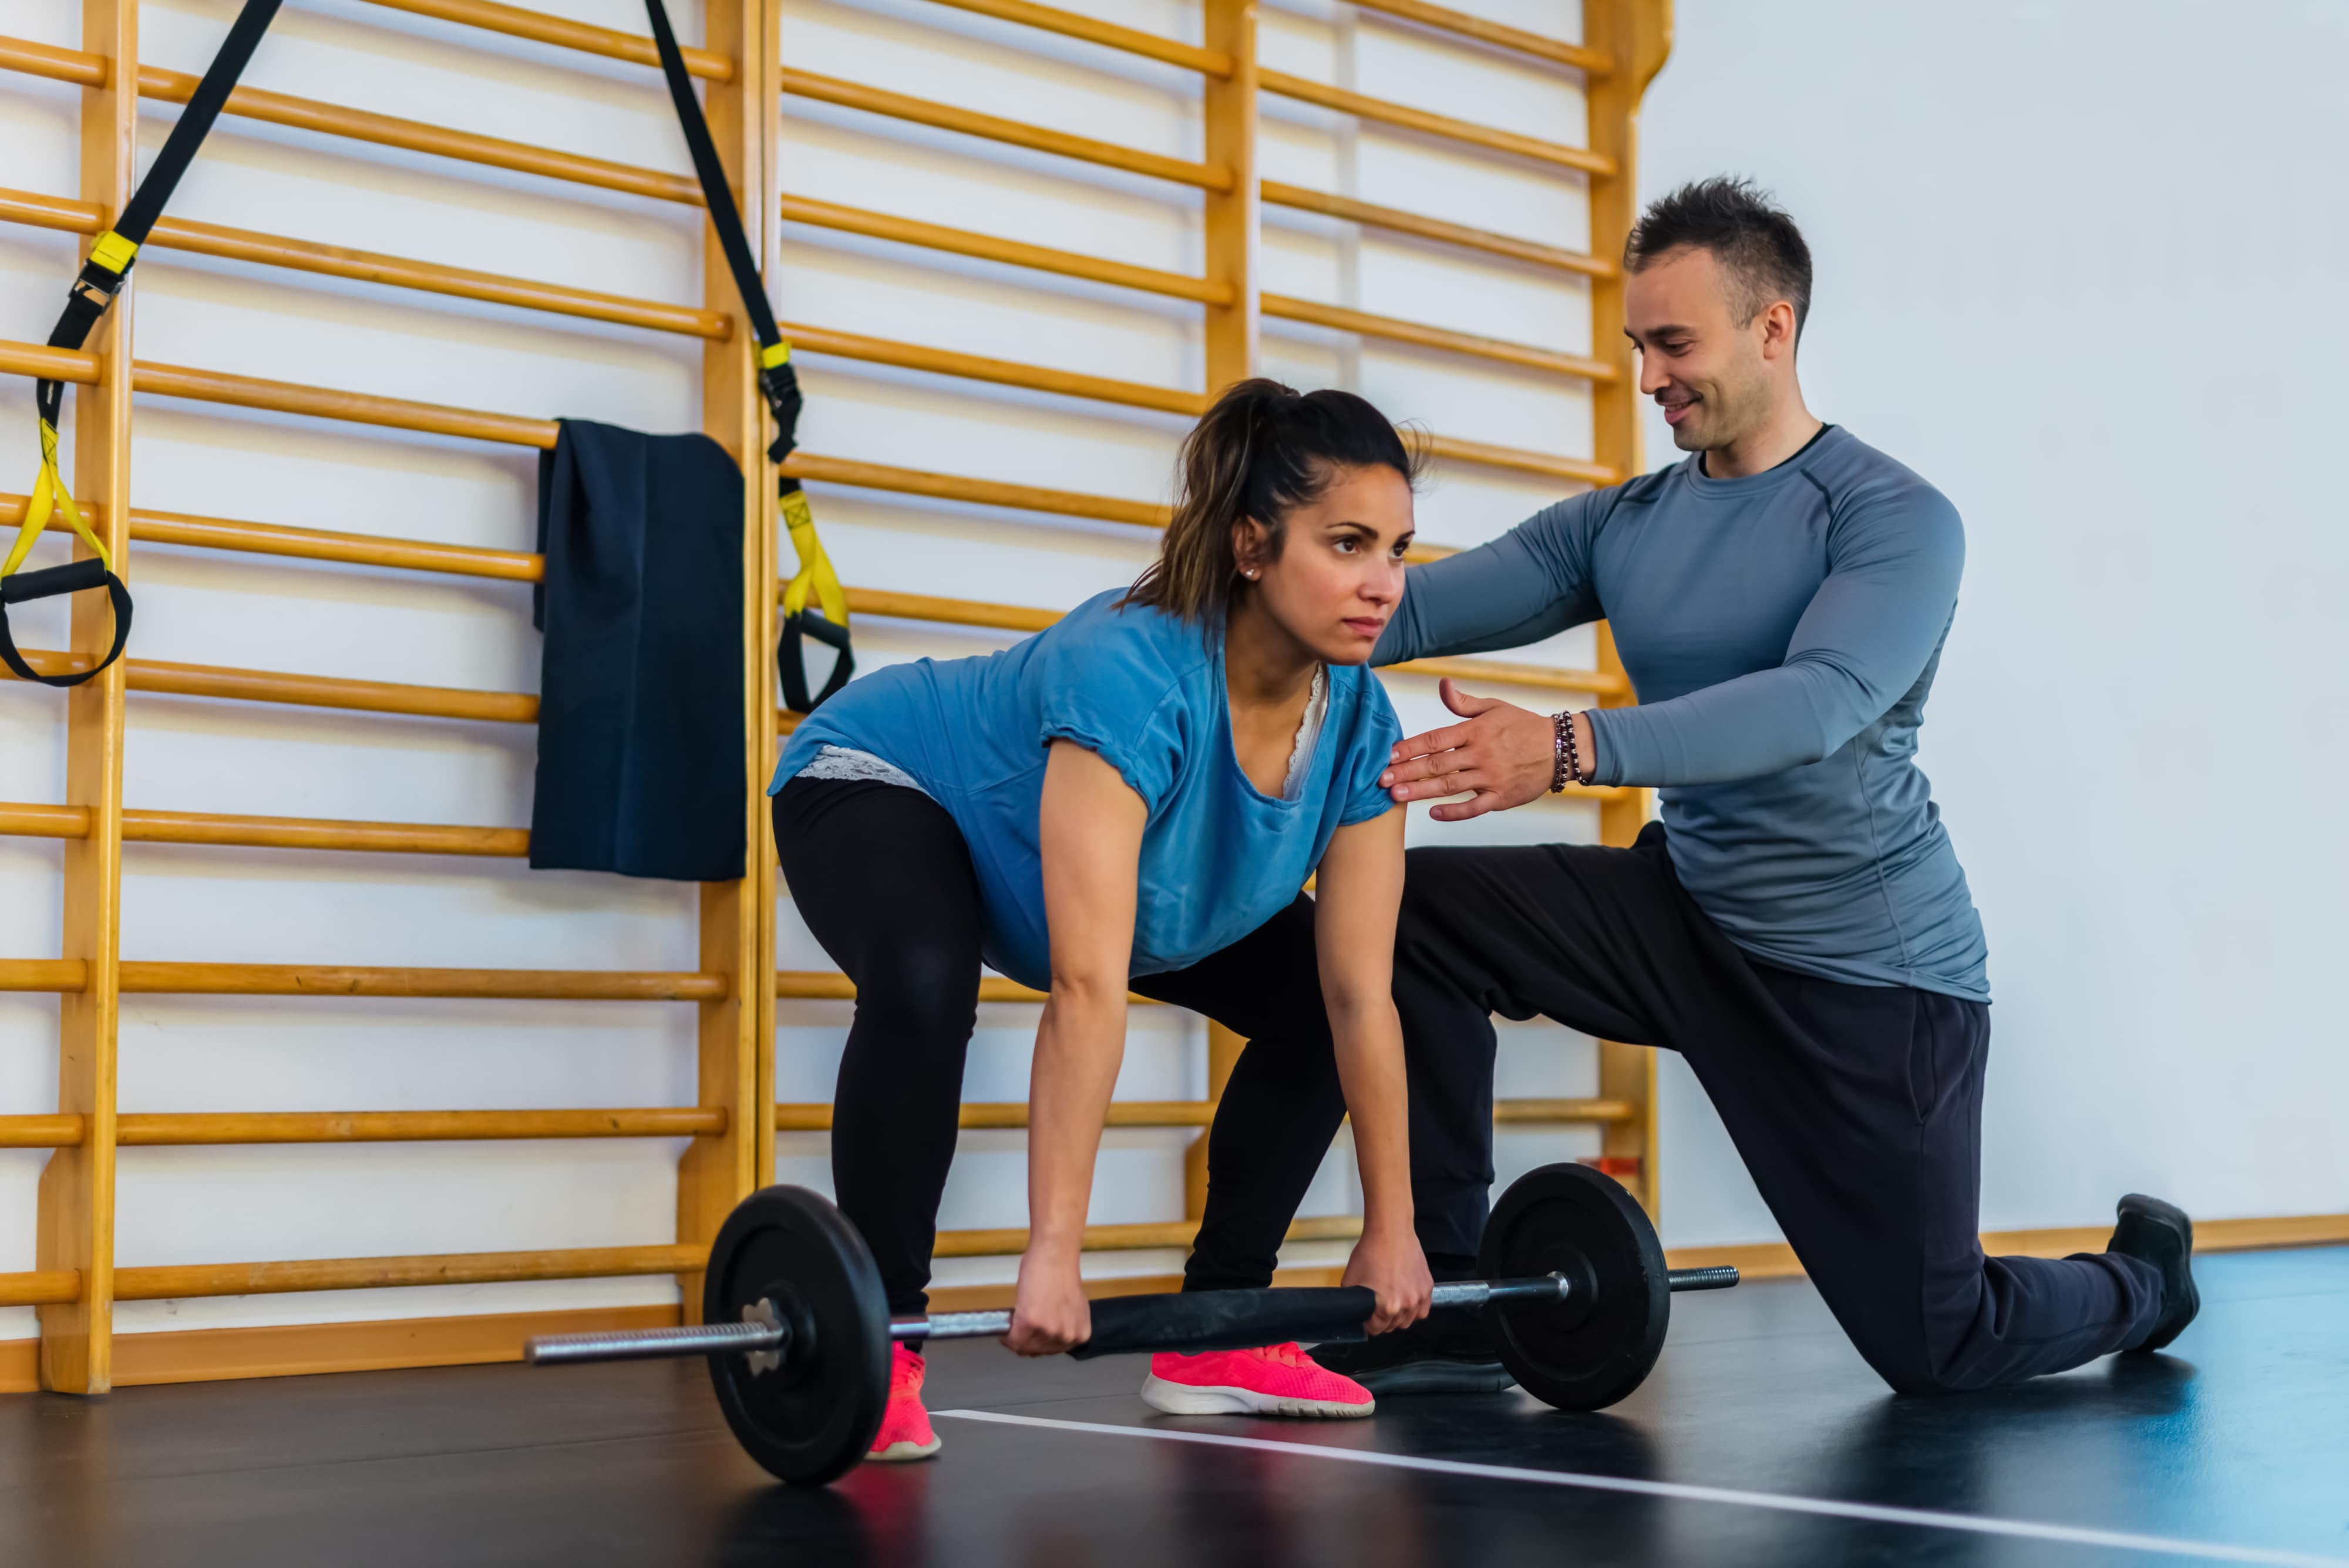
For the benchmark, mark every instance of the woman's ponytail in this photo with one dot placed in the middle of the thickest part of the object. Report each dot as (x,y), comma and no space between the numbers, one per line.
(1262,451)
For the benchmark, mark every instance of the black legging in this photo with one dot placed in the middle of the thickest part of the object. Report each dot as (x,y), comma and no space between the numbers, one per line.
(881,876)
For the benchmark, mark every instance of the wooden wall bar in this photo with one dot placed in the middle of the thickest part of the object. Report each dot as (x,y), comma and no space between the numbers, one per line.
(1635,36)
(76,1231)
(731,1131)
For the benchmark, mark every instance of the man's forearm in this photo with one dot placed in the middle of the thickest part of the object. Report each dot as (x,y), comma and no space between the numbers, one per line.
(1502,595)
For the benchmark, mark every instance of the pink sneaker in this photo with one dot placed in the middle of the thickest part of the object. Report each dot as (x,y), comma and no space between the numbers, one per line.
(1277,1380)
(905,1431)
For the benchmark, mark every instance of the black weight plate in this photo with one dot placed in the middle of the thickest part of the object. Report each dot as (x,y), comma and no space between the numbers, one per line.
(1592,1349)
(813,1418)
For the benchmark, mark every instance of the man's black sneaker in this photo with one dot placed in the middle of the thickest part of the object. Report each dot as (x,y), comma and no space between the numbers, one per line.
(1445,1353)
(2160,1234)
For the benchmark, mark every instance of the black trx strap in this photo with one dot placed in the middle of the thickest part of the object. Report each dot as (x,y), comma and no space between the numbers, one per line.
(827,621)
(101,278)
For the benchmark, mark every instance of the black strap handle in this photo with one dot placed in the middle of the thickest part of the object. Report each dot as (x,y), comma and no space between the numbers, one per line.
(51,582)
(778,381)
(1226,1320)
(792,664)
(93,291)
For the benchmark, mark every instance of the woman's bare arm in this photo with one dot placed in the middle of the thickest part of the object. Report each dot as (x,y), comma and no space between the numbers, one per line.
(1357,897)
(1091,835)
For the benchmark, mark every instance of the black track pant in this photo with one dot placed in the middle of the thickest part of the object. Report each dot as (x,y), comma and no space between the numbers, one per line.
(1856,1108)
(884,879)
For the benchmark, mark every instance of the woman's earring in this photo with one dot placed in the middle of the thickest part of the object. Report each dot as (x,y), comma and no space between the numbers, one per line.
(1249,574)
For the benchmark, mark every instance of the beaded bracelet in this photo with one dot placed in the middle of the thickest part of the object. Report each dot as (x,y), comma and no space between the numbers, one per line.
(1568,765)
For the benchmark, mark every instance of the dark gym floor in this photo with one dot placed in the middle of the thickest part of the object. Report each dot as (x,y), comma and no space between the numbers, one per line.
(1760,1439)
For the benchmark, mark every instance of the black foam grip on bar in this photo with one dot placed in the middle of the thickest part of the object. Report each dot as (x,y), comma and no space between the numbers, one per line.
(1225,1320)
(49,583)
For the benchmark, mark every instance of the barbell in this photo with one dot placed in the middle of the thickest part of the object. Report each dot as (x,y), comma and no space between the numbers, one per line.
(797,1329)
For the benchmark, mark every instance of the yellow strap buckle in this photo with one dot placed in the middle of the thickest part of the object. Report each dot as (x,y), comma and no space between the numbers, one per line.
(112,252)
(815,575)
(780,354)
(50,496)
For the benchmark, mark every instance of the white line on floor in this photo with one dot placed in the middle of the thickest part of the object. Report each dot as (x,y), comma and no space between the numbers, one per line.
(1925,1518)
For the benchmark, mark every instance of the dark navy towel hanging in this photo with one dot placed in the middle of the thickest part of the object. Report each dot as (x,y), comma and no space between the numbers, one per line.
(641,753)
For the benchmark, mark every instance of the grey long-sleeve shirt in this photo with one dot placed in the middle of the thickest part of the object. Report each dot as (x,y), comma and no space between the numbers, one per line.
(1782,631)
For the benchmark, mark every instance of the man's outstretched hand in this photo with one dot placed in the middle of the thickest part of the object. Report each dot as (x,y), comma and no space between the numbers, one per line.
(1503,755)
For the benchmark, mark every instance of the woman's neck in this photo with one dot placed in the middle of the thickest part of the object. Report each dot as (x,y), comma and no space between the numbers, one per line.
(1264,666)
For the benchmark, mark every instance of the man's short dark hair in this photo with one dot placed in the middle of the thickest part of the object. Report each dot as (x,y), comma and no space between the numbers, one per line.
(1756,243)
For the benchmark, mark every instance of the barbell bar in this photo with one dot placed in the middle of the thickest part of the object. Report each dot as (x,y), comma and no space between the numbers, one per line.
(763,1331)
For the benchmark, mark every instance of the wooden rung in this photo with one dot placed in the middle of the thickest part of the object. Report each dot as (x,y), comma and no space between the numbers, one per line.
(816,1116)
(381,129)
(1069,25)
(874,225)
(948,612)
(42,1132)
(1132,1237)
(70,975)
(176,1129)
(368,266)
(1597,683)
(306,690)
(830,985)
(308,832)
(1451,449)
(1013,132)
(805,338)
(187,1280)
(43,974)
(45,1287)
(1386,112)
(324,980)
(541,28)
(1594,62)
(416,136)
(24,56)
(1562,1113)
(19,820)
(1331,205)
(328,403)
(977,491)
(1418,334)
(185,1129)
(268,832)
(49,364)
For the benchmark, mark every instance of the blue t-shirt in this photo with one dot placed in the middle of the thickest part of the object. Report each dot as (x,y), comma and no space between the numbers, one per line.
(1144,691)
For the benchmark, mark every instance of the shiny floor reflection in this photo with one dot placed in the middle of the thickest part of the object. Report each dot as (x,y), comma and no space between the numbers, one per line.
(2240,1439)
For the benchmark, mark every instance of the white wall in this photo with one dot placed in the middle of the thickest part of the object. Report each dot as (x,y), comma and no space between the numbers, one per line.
(2078,265)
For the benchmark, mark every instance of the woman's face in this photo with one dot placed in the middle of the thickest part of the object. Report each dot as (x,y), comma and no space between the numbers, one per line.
(1338,577)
